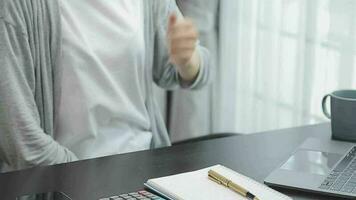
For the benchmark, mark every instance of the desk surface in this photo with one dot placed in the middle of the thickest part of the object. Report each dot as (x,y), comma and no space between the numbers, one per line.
(252,155)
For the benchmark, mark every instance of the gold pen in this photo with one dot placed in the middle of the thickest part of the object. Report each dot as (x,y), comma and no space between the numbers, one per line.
(216,177)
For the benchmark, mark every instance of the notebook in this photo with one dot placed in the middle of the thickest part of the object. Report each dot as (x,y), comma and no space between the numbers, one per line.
(196,185)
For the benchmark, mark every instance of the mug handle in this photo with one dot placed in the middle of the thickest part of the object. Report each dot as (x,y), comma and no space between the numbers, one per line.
(325,110)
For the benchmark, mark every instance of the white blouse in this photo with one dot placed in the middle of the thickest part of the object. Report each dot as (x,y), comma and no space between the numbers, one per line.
(102,107)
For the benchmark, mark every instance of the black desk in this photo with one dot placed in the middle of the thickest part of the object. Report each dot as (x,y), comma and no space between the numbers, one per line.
(253,155)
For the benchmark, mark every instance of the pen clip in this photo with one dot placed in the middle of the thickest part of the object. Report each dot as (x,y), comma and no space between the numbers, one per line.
(218,178)
(214,179)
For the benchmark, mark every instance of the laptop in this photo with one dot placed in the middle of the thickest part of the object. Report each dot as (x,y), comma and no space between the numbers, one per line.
(321,166)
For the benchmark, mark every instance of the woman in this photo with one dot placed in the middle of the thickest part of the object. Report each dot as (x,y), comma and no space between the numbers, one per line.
(76,76)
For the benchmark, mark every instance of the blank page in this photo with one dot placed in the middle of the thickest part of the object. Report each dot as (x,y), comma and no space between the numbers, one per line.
(196,185)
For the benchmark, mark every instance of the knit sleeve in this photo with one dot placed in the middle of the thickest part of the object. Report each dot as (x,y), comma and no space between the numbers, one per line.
(23,143)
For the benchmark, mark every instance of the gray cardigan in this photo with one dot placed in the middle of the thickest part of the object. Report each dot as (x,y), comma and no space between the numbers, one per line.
(30,45)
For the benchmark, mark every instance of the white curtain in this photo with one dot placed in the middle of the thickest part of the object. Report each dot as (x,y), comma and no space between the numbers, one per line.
(279,58)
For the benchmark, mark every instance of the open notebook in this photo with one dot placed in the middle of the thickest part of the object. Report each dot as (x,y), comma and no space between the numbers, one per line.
(196,185)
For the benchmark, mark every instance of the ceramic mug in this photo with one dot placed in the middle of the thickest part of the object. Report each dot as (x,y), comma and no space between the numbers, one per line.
(342,114)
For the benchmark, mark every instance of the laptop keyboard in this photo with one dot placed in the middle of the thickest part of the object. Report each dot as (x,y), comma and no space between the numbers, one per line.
(141,195)
(343,177)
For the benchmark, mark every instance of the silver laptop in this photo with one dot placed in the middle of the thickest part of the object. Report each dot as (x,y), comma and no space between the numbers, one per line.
(321,166)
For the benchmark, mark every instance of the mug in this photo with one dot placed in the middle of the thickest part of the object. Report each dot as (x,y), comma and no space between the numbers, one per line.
(342,114)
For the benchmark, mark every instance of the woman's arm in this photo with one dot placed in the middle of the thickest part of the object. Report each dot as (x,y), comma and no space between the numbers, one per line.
(178,57)
(23,143)
(182,39)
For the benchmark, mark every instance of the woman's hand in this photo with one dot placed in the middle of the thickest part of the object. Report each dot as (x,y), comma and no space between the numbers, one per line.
(182,39)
